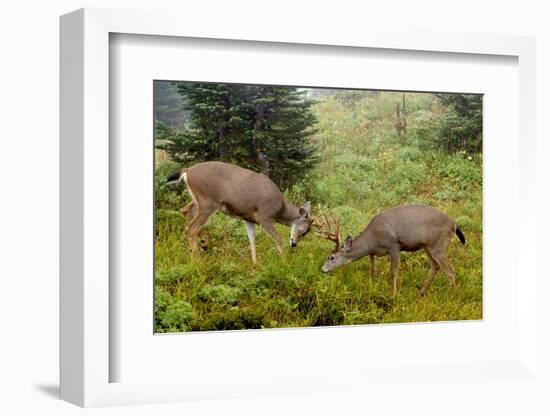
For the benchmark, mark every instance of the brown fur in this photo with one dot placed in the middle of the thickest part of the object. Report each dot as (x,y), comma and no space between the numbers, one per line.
(404,228)
(237,192)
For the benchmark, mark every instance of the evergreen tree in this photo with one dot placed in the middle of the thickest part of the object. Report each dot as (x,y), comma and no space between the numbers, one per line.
(264,128)
(462,127)
(282,129)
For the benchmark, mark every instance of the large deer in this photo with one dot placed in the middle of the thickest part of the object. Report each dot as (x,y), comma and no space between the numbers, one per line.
(240,193)
(405,228)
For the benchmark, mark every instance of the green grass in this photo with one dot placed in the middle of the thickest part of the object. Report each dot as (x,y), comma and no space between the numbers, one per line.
(365,168)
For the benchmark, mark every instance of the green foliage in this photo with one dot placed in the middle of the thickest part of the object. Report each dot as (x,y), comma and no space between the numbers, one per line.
(231,319)
(169,196)
(172,314)
(363,168)
(461,128)
(410,153)
(462,170)
(351,98)
(264,128)
(220,294)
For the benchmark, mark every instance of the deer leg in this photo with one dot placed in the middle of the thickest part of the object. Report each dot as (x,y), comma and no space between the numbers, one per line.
(440,255)
(251,231)
(195,226)
(269,227)
(394,257)
(189,212)
(449,270)
(372,271)
(431,274)
(203,239)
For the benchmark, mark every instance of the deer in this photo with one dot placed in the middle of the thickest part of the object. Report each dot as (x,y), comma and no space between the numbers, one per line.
(240,193)
(404,228)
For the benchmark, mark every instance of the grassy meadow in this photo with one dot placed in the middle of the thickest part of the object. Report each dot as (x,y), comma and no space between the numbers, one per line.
(364,167)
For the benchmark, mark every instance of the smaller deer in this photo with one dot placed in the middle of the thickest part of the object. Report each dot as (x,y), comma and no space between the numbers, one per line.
(404,228)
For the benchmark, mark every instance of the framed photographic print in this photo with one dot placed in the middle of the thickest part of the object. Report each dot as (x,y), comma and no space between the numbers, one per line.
(263,214)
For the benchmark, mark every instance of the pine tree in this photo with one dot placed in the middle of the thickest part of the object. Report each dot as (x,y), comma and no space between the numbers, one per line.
(461,128)
(283,127)
(264,128)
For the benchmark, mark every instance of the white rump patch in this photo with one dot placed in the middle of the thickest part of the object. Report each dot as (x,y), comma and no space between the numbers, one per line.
(184,177)
(174,181)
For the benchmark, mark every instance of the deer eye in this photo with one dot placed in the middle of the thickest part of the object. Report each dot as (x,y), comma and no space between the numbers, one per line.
(331,257)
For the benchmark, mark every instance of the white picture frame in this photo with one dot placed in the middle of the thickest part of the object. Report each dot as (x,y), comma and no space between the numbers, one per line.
(85,356)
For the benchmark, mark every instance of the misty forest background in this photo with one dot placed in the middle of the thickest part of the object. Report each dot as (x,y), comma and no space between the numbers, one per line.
(352,153)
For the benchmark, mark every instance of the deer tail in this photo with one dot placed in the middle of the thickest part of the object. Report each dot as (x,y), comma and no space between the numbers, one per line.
(176,177)
(460,235)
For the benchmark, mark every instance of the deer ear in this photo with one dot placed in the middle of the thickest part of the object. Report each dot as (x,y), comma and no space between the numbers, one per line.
(305,209)
(347,244)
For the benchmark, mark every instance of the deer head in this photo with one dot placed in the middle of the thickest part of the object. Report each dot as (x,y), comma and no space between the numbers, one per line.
(301,225)
(330,229)
(339,257)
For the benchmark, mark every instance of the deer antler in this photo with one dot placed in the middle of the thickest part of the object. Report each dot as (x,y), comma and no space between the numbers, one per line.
(325,229)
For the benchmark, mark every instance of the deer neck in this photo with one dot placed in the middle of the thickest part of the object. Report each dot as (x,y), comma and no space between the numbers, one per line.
(289,213)
(362,246)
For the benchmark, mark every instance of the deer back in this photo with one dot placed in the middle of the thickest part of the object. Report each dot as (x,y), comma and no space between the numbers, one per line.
(237,191)
(410,226)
